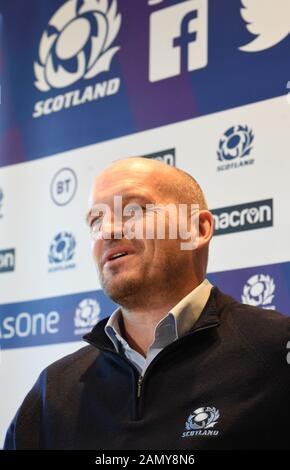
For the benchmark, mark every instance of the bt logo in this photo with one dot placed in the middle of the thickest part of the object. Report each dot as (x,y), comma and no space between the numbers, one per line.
(178,39)
(63,186)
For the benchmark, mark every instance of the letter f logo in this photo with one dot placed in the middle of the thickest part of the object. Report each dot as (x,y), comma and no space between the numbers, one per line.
(178,39)
(185,38)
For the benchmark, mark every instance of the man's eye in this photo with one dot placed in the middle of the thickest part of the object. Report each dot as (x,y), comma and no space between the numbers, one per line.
(135,208)
(95,223)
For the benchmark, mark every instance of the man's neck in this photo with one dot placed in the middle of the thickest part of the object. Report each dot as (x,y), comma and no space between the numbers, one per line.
(138,328)
(138,325)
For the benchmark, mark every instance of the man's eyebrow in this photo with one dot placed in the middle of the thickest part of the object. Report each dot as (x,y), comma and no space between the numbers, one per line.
(127,197)
(141,197)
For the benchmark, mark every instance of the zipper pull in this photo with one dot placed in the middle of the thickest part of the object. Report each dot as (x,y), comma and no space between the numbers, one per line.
(140,380)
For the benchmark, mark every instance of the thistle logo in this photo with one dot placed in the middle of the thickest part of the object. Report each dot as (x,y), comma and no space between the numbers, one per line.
(268,20)
(77,45)
(73,33)
(87,315)
(235,144)
(201,422)
(178,39)
(62,251)
(259,291)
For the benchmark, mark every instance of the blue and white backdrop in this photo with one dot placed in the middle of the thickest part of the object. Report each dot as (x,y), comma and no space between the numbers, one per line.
(201,84)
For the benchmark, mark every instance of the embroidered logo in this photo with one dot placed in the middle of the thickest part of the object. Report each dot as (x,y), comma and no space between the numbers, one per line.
(201,422)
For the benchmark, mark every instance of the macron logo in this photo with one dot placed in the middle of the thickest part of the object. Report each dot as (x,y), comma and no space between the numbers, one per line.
(178,39)
(7,260)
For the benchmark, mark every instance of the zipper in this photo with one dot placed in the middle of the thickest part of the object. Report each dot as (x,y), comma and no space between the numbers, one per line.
(172,346)
(140,380)
(139,386)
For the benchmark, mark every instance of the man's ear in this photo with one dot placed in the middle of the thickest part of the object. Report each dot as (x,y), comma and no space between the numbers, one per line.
(206,228)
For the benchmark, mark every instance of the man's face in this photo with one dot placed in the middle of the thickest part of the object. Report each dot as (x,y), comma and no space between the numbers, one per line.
(150,266)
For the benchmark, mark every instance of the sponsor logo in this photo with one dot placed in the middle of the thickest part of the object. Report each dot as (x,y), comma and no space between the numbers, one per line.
(235,147)
(201,422)
(25,324)
(1,201)
(249,216)
(51,320)
(86,316)
(7,260)
(259,291)
(78,44)
(165,156)
(178,39)
(61,252)
(269,21)
(63,186)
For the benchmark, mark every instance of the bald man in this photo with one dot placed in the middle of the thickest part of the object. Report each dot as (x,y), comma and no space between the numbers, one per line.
(178,365)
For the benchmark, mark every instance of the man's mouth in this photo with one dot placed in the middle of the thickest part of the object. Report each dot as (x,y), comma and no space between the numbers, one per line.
(118,255)
(114,254)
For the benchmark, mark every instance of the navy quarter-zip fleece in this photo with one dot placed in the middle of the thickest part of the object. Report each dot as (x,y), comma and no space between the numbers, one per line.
(233,360)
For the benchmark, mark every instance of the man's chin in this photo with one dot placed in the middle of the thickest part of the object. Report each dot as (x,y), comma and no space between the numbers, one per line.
(121,288)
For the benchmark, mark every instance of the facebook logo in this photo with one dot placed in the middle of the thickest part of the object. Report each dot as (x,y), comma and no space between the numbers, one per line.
(178,39)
